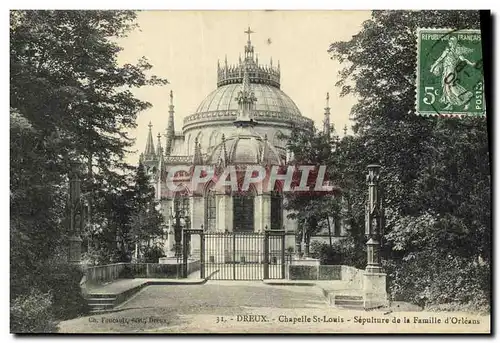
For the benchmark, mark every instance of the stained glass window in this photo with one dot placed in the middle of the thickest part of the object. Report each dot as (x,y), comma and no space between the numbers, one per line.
(276,210)
(211,211)
(243,211)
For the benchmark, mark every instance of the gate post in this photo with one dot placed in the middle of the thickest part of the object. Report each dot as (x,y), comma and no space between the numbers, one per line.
(185,238)
(266,255)
(234,255)
(202,257)
(283,263)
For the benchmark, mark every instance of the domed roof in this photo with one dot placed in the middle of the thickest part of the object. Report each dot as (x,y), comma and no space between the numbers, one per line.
(245,147)
(269,99)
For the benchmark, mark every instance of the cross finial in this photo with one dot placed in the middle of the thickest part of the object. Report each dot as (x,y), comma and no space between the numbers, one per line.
(248,32)
(150,125)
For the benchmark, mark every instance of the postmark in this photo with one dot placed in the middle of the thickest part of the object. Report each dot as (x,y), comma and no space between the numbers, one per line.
(450,78)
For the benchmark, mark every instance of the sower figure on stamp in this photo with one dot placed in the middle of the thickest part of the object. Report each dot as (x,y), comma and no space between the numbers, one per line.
(448,65)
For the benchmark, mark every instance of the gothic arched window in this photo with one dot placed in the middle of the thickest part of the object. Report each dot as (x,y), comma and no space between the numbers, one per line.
(214,139)
(210,210)
(243,211)
(181,204)
(276,210)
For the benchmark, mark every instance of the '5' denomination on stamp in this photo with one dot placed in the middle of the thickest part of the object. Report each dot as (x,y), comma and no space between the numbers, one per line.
(450,78)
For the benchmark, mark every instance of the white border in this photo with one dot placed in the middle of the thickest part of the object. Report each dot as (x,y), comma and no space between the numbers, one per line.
(203,4)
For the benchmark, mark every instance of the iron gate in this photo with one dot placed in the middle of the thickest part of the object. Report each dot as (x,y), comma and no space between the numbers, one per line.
(239,255)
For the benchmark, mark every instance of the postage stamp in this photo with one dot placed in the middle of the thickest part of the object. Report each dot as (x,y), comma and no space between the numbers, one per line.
(450,78)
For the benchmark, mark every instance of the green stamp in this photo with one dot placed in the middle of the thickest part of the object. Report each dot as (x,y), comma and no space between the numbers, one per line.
(450,79)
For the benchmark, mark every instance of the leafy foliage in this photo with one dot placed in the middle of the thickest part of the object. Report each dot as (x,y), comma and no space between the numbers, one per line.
(342,252)
(151,254)
(313,211)
(130,219)
(31,313)
(436,174)
(71,103)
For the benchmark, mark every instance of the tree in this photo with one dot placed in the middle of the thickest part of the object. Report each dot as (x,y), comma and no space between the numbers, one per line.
(435,169)
(313,211)
(70,102)
(147,221)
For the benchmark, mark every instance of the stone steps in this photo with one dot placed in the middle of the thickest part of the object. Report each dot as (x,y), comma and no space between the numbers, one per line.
(101,302)
(349,301)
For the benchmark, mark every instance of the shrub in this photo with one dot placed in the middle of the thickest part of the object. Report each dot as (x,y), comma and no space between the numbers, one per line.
(126,273)
(152,254)
(32,313)
(344,251)
(62,280)
(325,253)
(448,283)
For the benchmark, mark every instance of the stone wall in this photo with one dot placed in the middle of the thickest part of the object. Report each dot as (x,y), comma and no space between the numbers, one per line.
(103,274)
(110,272)
(353,276)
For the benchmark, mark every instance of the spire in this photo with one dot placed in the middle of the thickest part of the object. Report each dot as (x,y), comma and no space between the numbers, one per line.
(150,148)
(158,144)
(224,150)
(197,159)
(326,120)
(249,46)
(170,128)
(246,100)
(265,151)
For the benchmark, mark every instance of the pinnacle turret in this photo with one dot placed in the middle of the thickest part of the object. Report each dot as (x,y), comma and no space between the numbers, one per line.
(246,100)
(159,149)
(265,151)
(197,158)
(150,148)
(224,150)
(170,128)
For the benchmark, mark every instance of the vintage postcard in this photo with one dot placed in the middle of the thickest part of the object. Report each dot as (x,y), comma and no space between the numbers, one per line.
(249,172)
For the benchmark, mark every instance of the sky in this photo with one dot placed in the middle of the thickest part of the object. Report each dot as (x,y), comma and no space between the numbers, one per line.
(184,46)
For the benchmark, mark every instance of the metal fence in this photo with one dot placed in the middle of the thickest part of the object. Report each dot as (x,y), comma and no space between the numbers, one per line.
(240,255)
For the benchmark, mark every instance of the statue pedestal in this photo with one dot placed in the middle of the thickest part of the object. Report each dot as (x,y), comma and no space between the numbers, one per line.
(169,249)
(374,289)
(75,249)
